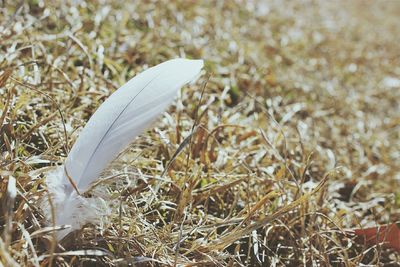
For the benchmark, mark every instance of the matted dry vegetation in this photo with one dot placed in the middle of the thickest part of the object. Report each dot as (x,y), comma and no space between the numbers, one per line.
(290,138)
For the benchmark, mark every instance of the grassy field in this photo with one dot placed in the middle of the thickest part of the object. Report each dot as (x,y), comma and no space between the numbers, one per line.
(297,142)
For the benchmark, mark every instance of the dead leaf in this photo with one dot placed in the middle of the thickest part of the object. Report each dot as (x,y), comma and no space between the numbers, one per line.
(388,234)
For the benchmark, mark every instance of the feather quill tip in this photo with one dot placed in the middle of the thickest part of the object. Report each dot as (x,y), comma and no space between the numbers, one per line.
(70,209)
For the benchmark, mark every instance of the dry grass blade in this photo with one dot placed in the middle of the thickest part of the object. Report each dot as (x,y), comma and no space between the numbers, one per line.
(240,232)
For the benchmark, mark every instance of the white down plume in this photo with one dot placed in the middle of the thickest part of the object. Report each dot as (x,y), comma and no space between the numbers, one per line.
(122,117)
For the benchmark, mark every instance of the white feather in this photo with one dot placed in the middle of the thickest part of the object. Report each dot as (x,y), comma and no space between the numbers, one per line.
(122,117)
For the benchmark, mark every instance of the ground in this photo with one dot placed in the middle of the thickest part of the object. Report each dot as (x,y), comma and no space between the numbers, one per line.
(296,140)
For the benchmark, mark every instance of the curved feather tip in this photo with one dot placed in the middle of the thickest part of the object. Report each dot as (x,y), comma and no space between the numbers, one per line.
(122,117)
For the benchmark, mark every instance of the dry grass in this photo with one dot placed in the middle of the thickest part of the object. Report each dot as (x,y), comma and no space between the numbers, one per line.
(297,132)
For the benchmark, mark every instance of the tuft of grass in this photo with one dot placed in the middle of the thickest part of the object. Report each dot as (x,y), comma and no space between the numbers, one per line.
(291,138)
